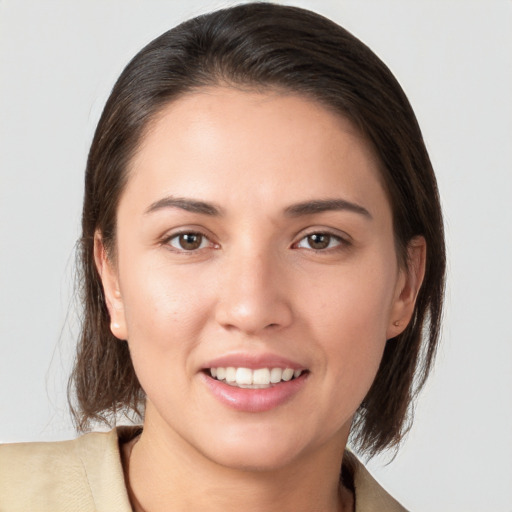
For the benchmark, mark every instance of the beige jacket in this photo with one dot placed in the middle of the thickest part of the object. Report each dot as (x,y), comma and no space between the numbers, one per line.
(86,475)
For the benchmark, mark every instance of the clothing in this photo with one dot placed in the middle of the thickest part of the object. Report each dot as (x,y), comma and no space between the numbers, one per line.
(86,474)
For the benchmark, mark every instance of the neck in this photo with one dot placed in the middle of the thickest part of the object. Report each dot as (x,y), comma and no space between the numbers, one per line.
(166,473)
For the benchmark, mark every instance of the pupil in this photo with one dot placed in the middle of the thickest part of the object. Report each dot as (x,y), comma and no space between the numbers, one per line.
(190,241)
(319,241)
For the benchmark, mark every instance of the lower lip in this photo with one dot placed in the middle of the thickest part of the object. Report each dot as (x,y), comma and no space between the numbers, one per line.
(254,400)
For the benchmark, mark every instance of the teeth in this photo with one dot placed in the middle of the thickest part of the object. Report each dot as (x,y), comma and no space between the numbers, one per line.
(275,375)
(261,376)
(243,376)
(231,374)
(287,374)
(254,379)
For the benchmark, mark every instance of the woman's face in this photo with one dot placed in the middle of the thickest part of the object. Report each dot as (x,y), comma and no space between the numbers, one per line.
(254,242)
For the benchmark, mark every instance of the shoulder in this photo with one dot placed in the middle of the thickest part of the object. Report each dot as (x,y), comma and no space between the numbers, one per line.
(369,495)
(83,474)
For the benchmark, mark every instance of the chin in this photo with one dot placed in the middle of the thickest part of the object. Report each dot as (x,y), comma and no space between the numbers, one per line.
(256,450)
(255,458)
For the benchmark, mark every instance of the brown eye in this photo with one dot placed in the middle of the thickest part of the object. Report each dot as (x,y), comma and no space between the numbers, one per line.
(188,241)
(320,241)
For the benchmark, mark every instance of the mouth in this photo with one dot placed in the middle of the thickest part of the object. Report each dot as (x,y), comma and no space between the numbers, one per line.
(259,378)
(254,383)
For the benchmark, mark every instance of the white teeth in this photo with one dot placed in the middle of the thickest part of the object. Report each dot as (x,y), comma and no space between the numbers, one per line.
(287,374)
(261,376)
(254,379)
(231,374)
(243,376)
(275,375)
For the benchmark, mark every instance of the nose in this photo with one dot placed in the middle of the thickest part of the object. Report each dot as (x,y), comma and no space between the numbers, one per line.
(254,295)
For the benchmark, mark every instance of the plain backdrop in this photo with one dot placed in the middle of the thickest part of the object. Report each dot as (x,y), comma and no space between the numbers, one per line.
(58,62)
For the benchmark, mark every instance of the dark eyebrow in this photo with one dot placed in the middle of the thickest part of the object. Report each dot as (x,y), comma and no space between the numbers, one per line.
(190,205)
(324,205)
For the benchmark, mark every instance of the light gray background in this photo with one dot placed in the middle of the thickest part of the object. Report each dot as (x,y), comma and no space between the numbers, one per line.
(58,61)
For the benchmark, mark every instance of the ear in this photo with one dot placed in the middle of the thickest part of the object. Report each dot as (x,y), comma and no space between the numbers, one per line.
(408,285)
(110,280)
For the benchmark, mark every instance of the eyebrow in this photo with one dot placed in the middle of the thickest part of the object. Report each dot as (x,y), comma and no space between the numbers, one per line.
(325,205)
(295,210)
(189,205)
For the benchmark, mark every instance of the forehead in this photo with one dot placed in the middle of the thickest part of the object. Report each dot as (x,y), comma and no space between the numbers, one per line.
(219,140)
(219,107)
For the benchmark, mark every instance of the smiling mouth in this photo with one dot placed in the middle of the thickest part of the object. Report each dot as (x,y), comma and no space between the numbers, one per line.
(247,378)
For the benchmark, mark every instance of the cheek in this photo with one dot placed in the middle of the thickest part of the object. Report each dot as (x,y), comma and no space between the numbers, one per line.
(165,306)
(355,303)
(165,313)
(349,320)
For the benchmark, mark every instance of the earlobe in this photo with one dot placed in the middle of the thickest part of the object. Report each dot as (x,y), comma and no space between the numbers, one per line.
(408,287)
(110,281)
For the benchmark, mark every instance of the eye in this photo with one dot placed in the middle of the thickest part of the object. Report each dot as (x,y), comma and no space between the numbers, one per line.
(188,241)
(319,241)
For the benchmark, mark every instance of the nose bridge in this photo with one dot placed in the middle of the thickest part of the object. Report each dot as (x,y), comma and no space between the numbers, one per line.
(253,294)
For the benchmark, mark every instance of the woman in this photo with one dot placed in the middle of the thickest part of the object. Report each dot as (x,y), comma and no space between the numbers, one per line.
(263,265)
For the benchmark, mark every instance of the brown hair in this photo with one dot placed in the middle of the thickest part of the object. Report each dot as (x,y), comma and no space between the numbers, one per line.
(259,46)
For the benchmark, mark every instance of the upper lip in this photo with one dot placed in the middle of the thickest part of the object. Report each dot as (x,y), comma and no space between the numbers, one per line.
(253,361)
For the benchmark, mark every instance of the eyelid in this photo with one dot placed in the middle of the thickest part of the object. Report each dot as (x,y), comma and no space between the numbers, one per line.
(344,238)
(166,239)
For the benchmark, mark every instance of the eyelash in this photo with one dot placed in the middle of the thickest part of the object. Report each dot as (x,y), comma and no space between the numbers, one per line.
(340,242)
(177,236)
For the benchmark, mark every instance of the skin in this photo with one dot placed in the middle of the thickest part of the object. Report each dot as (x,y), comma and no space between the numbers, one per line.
(256,286)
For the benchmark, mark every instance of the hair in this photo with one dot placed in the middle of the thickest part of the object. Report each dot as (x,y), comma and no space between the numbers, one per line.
(262,46)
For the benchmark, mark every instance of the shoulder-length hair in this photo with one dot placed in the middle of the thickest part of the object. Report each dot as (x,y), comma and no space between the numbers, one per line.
(261,46)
